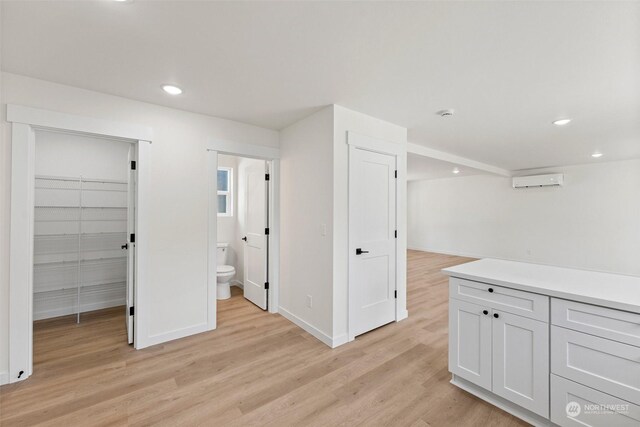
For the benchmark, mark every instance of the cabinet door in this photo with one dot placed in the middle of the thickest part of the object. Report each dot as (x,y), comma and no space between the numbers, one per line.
(521,361)
(470,342)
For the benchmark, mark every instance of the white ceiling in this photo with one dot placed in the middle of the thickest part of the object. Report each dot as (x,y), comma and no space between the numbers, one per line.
(507,68)
(420,167)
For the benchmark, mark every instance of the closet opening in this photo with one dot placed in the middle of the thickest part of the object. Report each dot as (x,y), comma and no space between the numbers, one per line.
(84,255)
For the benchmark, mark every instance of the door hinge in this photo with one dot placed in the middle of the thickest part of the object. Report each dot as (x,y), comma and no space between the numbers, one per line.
(132,311)
(266,177)
(266,285)
(266,231)
(395,174)
(132,238)
(395,234)
(395,294)
(133,165)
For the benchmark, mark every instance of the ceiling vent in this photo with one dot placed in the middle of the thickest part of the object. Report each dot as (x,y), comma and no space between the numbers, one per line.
(548,180)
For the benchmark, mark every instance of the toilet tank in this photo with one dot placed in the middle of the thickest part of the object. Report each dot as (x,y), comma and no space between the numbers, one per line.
(223,250)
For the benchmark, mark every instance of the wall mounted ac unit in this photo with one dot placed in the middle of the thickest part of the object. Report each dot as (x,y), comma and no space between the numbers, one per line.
(538,180)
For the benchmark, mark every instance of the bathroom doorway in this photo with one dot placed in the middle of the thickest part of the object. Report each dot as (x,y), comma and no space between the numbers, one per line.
(243,228)
(244,231)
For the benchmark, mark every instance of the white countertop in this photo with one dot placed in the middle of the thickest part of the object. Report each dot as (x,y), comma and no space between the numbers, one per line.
(605,289)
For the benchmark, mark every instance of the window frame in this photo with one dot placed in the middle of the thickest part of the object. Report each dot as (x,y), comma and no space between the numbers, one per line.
(228,193)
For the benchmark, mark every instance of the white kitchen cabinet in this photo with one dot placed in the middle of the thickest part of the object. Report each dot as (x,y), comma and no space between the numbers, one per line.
(501,352)
(565,343)
(470,342)
(521,361)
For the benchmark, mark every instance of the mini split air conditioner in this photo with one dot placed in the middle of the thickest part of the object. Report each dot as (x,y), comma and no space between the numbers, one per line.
(538,180)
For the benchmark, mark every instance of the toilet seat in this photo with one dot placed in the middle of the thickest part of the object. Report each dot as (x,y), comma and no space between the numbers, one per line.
(226,269)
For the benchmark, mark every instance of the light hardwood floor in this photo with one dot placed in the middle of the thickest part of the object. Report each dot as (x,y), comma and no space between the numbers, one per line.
(255,369)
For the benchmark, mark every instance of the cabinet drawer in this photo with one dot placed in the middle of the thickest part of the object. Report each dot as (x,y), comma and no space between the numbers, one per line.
(608,366)
(533,306)
(573,404)
(604,322)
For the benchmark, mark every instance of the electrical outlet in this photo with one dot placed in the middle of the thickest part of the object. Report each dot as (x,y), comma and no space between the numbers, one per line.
(309,301)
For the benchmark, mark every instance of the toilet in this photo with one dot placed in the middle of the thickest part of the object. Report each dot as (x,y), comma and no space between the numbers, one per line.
(224,273)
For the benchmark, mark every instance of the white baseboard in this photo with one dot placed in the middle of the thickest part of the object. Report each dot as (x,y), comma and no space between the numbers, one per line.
(170,336)
(445,252)
(4,378)
(307,327)
(507,406)
(237,283)
(339,340)
(402,315)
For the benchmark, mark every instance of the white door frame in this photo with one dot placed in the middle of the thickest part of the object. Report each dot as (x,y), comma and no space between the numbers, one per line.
(399,151)
(272,156)
(24,121)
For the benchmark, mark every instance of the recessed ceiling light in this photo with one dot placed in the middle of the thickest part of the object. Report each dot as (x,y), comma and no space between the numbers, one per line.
(456,171)
(596,155)
(171,89)
(561,122)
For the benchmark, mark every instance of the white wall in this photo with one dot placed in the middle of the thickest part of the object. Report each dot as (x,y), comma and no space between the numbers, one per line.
(306,205)
(593,222)
(178,199)
(315,172)
(71,155)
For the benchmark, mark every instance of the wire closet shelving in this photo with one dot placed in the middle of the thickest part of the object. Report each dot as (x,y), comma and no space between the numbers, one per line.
(80,226)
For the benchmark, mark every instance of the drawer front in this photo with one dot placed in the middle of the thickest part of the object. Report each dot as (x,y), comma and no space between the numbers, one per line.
(573,404)
(605,365)
(604,322)
(533,306)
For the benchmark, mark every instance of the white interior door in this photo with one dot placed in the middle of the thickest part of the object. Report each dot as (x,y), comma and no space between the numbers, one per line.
(130,245)
(255,245)
(372,240)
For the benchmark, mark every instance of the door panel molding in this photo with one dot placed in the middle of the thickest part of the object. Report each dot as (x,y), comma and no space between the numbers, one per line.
(378,252)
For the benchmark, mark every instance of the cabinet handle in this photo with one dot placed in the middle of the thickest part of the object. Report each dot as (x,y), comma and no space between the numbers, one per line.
(485,312)
(496,315)
(490,289)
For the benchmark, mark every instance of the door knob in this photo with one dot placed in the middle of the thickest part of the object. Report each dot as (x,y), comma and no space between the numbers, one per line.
(359,251)
(244,238)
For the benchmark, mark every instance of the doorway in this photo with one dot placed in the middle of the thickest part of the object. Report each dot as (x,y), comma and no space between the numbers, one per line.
(243,228)
(26,122)
(83,229)
(372,240)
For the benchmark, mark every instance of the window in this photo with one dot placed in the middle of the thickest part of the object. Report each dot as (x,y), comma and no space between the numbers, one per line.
(225,185)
